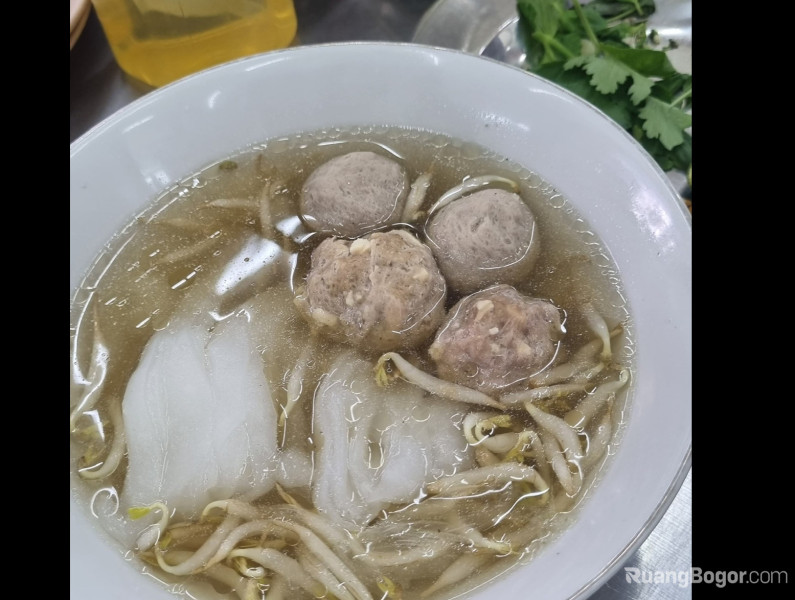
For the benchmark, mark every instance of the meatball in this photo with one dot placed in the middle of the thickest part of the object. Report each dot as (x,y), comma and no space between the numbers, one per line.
(496,338)
(354,193)
(484,238)
(380,292)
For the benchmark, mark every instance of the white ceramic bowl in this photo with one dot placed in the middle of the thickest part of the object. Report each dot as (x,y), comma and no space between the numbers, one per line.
(129,158)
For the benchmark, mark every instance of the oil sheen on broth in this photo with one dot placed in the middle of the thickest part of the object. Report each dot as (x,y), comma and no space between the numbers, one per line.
(361,478)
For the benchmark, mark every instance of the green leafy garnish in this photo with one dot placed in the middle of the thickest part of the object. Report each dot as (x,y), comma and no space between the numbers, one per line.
(602,52)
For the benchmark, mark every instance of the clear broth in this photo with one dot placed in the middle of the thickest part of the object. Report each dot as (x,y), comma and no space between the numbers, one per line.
(203,244)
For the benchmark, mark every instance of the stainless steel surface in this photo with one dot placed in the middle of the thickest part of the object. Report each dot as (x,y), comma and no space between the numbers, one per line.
(490,28)
(98,88)
(668,549)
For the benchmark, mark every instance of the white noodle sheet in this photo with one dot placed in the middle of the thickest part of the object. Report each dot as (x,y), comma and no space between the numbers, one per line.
(378,446)
(199,419)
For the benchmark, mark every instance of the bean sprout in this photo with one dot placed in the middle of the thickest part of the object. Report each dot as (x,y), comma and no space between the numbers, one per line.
(494,476)
(557,460)
(563,432)
(477,424)
(542,393)
(97,373)
(459,569)
(431,384)
(200,558)
(430,548)
(580,415)
(582,366)
(340,570)
(560,440)
(189,252)
(598,443)
(246,589)
(263,527)
(235,203)
(295,387)
(116,452)
(287,567)
(321,525)
(411,211)
(150,536)
(598,326)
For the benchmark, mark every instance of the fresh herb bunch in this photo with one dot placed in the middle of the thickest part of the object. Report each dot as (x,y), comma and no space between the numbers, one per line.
(601,51)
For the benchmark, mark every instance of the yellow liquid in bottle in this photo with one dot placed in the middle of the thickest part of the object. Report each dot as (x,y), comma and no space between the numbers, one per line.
(156,41)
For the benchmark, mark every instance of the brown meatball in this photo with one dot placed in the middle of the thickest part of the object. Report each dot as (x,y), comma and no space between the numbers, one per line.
(484,238)
(379,292)
(496,338)
(354,194)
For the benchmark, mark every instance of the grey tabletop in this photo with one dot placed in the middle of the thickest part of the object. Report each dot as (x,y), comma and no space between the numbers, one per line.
(98,88)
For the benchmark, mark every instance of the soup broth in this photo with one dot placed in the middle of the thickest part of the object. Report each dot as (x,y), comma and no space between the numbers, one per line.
(229,241)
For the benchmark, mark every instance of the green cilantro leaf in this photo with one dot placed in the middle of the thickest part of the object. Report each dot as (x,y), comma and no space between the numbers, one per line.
(651,63)
(606,74)
(665,122)
(601,52)
(577,82)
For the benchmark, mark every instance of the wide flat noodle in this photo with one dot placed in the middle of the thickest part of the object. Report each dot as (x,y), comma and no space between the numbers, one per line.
(199,418)
(378,446)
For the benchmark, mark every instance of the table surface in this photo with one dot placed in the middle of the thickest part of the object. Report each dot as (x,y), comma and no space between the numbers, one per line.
(98,88)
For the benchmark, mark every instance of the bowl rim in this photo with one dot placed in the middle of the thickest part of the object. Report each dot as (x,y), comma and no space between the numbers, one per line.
(643,533)
(152,96)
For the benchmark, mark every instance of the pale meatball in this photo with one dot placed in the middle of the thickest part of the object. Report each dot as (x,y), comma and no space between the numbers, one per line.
(496,338)
(354,194)
(379,292)
(484,238)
